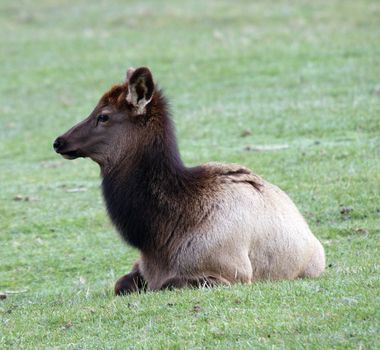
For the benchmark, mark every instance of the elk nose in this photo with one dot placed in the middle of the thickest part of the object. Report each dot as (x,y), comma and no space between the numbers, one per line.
(58,144)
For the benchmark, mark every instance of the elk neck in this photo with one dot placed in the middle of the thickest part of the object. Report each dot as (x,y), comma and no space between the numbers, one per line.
(150,190)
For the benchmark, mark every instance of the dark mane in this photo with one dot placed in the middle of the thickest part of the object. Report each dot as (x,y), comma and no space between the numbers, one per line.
(146,194)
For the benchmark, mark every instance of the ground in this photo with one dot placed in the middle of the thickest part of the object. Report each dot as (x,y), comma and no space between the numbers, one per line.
(290,89)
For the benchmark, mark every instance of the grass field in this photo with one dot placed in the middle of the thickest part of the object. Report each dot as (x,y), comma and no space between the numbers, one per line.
(300,74)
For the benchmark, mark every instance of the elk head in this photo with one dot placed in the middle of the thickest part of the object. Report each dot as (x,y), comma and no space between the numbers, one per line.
(118,124)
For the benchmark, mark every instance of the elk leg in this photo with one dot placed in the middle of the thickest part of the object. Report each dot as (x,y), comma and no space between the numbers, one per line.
(131,282)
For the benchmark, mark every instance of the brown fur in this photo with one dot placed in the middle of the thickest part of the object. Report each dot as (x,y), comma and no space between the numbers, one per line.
(215,223)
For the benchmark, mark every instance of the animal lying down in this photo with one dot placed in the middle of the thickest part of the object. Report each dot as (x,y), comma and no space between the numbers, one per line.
(212,224)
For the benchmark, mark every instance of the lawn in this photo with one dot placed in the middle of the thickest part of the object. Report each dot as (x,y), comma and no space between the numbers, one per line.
(290,89)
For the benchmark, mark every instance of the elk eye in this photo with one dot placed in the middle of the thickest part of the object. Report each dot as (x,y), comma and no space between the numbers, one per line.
(102,118)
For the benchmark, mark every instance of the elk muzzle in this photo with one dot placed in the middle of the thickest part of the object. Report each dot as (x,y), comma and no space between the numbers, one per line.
(60,145)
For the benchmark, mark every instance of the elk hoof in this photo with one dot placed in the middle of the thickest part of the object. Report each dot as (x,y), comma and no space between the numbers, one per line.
(129,283)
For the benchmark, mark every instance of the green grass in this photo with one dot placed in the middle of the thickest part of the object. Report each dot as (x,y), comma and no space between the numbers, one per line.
(301,73)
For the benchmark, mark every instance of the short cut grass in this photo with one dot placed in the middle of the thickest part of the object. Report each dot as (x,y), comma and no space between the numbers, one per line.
(301,78)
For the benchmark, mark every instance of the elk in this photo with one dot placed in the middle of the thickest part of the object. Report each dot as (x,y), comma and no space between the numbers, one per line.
(202,226)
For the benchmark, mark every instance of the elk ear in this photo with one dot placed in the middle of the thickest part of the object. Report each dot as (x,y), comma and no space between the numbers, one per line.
(140,88)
